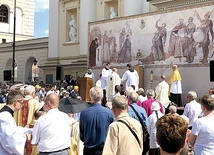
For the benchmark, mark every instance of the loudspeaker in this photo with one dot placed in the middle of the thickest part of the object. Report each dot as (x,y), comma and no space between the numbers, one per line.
(7,75)
(58,73)
(212,71)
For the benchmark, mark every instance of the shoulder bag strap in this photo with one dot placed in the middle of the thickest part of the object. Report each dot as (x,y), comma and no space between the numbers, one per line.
(137,115)
(134,134)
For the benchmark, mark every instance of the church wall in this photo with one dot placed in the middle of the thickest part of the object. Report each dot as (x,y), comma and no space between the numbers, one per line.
(141,42)
(140,34)
(195,74)
(194,78)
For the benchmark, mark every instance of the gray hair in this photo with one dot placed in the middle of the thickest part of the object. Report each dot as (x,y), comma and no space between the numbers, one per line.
(173,109)
(120,102)
(150,92)
(192,94)
(129,90)
(141,90)
(96,94)
(29,90)
(134,97)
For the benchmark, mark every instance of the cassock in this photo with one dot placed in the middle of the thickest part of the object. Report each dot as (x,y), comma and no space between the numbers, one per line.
(113,80)
(90,75)
(175,87)
(132,78)
(105,73)
(12,137)
(104,78)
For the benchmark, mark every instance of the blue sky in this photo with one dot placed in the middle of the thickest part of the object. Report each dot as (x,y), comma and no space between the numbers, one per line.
(41,18)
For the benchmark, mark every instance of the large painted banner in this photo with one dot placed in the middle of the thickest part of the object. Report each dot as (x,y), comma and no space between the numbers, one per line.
(182,36)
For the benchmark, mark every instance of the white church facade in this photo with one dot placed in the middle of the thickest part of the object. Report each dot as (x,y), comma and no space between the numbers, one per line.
(58,55)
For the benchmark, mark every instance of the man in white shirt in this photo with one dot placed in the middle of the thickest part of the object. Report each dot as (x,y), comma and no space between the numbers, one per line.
(131,77)
(192,109)
(90,74)
(105,73)
(52,131)
(51,91)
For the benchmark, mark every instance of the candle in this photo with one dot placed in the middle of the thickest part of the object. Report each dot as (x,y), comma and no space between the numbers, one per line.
(151,76)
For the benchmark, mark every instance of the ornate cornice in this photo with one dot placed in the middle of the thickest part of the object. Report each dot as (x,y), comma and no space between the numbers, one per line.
(168,4)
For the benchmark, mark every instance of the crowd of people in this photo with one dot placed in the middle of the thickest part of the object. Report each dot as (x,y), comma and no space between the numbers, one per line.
(120,120)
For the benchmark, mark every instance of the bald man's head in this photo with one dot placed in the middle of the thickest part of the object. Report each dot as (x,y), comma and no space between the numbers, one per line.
(53,100)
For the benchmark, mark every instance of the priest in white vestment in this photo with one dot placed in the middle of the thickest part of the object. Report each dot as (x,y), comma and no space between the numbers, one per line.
(105,73)
(162,92)
(113,80)
(12,137)
(175,86)
(90,74)
(131,77)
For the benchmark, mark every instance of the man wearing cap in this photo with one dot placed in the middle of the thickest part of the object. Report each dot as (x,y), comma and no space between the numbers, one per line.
(131,77)
(162,92)
(152,119)
(75,92)
(175,86)
(37,89)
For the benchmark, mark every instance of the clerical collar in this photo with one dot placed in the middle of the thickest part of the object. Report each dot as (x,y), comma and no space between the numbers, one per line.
(8,109)
(131,70)
(106,68)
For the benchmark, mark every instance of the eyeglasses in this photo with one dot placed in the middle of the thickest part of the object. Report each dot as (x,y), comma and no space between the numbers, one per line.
(20,101)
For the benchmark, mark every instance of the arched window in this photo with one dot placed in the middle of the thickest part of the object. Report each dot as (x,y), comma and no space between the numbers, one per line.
(3,14)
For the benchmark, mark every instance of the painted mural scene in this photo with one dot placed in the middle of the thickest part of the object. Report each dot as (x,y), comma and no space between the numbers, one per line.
(110,77)
(155,39)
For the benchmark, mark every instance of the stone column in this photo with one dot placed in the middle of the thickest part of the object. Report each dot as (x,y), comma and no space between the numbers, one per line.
(133,7)
(53,28)
(87,14)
